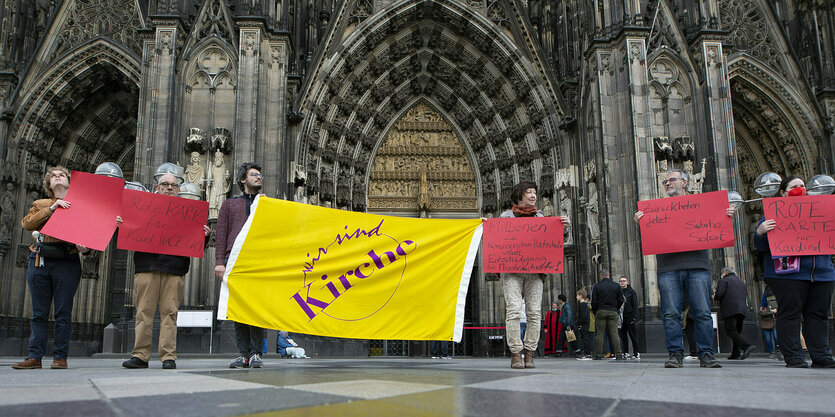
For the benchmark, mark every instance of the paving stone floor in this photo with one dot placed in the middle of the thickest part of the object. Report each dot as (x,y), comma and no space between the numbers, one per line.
(756,387)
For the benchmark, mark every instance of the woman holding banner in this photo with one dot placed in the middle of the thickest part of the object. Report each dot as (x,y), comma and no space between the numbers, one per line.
(803,286)
(53,275)
(523,287)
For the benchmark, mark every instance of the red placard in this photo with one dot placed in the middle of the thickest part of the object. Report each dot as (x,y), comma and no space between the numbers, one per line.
(686,223)
(803,225)
(523,245)
(91,218)
(157,223)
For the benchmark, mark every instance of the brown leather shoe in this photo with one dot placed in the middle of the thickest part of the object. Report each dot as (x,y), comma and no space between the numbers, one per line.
(516,361)
(59,364)
(529,359)
(29,363)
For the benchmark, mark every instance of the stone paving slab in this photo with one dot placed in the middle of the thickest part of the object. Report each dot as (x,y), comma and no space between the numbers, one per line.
(417,387)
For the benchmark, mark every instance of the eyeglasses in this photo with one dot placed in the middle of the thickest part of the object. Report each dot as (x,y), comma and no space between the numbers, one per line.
(671,180)
(256,175)
(168,184)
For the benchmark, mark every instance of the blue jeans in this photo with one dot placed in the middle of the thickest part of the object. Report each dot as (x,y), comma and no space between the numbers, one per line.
(56,282)
(672,286)
(770,339)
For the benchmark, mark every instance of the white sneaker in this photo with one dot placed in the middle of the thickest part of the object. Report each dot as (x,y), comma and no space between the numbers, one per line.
(691,358)
(637,356)
(584,358)
(255,361)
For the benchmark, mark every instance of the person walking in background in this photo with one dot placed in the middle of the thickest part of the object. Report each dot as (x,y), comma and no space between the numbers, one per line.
(553,328)
(606,299)
(803,287)
(567,323)
(767,319)
(630,318)
(584,321)
(731,294)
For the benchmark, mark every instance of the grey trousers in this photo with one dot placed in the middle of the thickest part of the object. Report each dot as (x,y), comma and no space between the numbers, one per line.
(518,287)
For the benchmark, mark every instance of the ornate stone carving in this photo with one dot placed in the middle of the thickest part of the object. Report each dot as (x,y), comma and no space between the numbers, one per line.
(7,213)
(88,19)
(566,211)
(750,32)
(592,213)
(195,171)
(196,141)
(421,156)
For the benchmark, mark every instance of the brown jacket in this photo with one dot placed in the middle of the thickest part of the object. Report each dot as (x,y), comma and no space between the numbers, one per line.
(36,219)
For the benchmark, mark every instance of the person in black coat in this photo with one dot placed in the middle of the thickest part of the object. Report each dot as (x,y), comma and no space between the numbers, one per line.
(630,317)
(730,292)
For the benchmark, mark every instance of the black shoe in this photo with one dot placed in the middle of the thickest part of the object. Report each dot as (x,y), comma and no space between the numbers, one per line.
(796,363)
(825,363)
(169,364)
(674,361)
(135,363)
(708,361)
(747,352)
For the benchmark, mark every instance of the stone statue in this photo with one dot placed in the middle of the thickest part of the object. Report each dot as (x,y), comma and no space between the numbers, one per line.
(661,176)
(547,207)
(424,202)
(7,213)
(218,184)
(195,171)
(565,211)
(697,180)
(299,179)
(592,212)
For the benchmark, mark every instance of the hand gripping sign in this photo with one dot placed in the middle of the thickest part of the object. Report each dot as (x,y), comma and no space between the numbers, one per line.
(686,223)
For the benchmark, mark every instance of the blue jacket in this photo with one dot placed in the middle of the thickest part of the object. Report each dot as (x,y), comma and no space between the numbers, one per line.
(567,315)
(812,267)
(282,344)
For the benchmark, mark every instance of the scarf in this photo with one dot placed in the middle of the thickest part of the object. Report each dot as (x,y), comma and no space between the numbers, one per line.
(523,211)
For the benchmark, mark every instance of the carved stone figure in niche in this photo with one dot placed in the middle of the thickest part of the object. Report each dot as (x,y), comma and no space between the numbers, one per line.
(565,210)
(683,148)
(195,171)
(663,150)
(299,179)
(218,184)
(695,187)
(661,176)
(196,141)
(592,212)
(547,207)
(7,213)
(10,171)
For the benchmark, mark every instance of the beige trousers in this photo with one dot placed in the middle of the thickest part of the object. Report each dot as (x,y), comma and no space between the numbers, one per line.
(165,290)
(516,288)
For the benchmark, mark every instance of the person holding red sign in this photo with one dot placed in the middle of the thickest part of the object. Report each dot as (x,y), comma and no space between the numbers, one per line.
(680,273)
(803,287)
(53,275)
(159,281)
(523,287)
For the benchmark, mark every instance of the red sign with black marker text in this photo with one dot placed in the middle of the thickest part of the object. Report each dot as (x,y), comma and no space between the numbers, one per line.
(523,245)
(803,225)
(157,223)
(686,223)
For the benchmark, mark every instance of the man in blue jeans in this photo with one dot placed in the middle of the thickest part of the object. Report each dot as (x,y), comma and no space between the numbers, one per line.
(682,272)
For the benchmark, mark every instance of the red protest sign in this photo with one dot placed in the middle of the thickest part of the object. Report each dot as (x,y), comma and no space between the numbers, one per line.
(523,245)
(803,225)
(686,223)
(91,218)
(157,223)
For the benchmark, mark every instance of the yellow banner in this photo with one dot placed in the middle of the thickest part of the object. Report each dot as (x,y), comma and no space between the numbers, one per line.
(320,271)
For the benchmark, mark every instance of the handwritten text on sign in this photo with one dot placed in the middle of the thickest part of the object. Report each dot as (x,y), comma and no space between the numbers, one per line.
(523,245)
(157,223)
(803,225)
(686,223)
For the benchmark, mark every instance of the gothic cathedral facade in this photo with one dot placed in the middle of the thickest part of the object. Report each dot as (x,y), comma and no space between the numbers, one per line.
(431,108)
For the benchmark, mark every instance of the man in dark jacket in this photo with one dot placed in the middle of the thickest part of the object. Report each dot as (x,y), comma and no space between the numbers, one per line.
(567,321)
(159,280)
(230,220)
(730,292)
(630,317)
(606,299)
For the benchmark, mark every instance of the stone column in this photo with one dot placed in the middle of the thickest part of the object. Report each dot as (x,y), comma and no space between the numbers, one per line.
(247,118)
(274,151)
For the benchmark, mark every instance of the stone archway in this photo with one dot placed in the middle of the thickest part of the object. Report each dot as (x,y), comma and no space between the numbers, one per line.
(422,168)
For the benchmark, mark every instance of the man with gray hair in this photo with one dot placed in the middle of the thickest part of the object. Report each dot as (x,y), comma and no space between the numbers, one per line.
(681,273)
(731,293)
